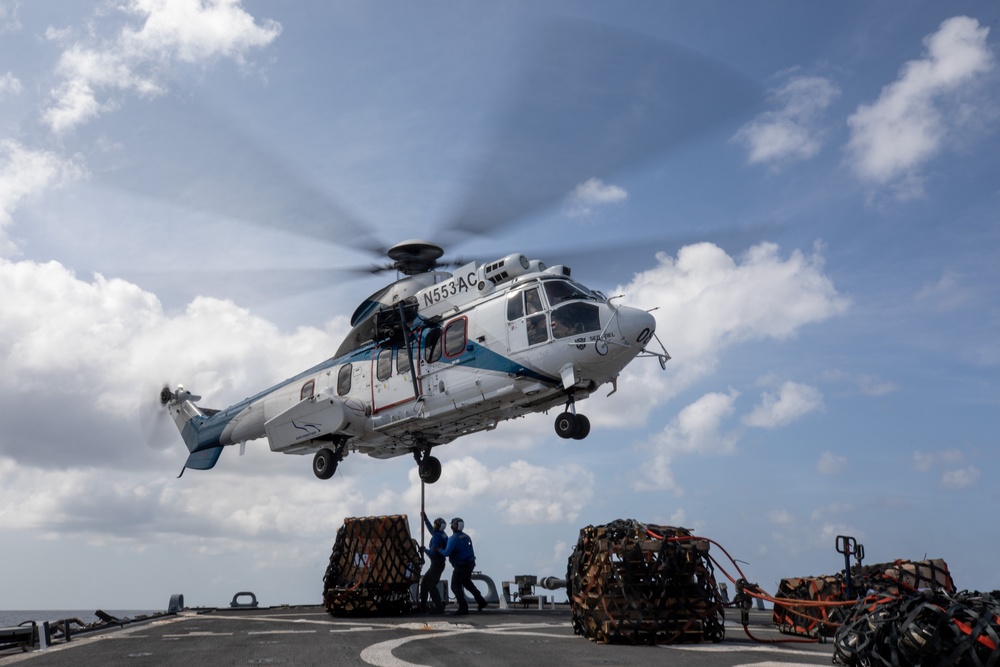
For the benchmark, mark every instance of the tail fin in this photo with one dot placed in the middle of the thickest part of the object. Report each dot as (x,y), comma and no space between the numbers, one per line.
(190,419)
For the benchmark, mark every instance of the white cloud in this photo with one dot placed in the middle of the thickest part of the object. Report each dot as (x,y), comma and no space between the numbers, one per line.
(793,131)
(944,461)
(831,464)
(949,293)
(926,461)
(962,478)
(9,85)
(9,20)
(185,31)
(706,302)
(697,429)
(792,401)
(591,194)
(864,383)
(913,116)
(26,173)
(94,345)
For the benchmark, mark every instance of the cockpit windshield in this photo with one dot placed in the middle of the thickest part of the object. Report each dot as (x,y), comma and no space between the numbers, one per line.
(562,289)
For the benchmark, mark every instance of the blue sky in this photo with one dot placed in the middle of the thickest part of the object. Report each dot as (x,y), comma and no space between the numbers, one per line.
(824,263)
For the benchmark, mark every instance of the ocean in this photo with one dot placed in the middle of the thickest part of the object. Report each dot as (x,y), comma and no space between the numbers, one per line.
(15,617)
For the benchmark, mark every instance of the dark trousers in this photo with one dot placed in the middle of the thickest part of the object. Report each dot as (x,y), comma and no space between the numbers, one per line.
(461,581)
(430,584)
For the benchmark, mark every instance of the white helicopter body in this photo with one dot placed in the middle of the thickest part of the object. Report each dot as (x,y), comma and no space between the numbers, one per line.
(432,357)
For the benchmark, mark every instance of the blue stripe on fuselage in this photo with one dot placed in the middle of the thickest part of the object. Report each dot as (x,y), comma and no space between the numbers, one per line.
(204,433)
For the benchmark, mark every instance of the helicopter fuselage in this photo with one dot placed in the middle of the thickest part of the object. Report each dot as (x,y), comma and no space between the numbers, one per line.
(433,357)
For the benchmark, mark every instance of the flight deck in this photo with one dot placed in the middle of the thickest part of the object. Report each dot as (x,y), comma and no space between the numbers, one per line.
(310,636)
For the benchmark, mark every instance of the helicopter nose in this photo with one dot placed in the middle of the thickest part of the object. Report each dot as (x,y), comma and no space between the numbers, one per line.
(637,326)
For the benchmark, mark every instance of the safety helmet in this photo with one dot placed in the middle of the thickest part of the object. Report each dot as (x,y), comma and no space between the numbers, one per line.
(439,523)
(457,524)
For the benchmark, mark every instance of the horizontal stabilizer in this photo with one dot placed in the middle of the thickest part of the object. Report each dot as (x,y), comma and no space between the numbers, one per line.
(203,460)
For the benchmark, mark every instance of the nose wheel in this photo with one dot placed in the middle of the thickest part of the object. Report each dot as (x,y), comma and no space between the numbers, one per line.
(571,425)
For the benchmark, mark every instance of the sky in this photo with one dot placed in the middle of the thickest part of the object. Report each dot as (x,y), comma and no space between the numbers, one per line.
(186,184)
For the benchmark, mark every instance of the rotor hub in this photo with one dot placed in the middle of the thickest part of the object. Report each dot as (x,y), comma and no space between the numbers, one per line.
(415,256)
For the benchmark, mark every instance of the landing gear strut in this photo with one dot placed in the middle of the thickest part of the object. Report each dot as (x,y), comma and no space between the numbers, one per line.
(428,467)
(571,425)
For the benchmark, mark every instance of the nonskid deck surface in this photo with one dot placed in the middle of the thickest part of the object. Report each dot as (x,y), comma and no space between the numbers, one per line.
(310,636)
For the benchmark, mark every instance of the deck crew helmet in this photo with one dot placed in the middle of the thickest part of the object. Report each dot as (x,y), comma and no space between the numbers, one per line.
(439,523)
(457,524)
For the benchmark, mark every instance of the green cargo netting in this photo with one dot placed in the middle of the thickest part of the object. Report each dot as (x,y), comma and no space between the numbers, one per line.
(637,583)
(372,567)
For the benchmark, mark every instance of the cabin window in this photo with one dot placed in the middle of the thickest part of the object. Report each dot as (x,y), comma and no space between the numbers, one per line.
(383,364)
(455,337)
(515,306)
(574,319)
(344,380)
(432,346)
(402,361)
(307,390)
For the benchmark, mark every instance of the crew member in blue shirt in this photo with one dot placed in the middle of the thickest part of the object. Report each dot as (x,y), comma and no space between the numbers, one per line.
(463,561)
(430,581)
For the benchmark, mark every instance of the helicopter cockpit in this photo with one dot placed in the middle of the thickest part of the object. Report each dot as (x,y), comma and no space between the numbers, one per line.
(555,306)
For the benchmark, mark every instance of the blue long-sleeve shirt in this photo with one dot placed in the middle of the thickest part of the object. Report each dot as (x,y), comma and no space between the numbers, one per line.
(459,549)
(438,541)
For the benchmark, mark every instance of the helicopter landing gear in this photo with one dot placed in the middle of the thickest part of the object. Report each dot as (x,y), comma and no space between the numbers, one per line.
(324,464)
(428,467)
(325,461)
(571,425)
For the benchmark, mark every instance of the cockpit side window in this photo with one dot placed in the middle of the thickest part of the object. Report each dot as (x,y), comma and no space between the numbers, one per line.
(532,301)
(515,306)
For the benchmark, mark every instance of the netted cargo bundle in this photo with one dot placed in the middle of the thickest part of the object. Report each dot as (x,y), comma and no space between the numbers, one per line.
(808,618)
(903,576)
(372,567)
(636,583)
(900,577)
(928,628)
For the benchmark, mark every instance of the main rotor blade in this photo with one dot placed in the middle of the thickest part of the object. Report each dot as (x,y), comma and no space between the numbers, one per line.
(592,100)
(191,157)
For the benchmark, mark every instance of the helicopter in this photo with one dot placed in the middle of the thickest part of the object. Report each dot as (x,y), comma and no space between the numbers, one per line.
(439,354)
(434,356)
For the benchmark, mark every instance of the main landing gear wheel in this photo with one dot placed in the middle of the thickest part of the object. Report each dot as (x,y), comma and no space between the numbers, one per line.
(429,470)
(569,425)
(324,464)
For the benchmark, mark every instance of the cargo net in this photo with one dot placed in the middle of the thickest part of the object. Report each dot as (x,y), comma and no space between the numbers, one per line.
(927,628)
(809,618)
(634,583)
(823,604)
(372,568)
